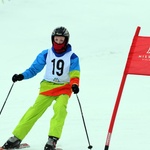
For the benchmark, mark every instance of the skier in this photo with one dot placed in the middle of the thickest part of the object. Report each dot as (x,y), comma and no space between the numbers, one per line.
(60,80)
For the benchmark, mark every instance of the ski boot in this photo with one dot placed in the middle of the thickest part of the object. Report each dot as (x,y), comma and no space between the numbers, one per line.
(12,142)
(51,143)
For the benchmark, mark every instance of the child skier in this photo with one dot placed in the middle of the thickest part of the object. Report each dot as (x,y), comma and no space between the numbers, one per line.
(60,79)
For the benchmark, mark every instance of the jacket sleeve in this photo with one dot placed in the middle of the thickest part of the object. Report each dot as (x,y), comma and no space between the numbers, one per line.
(36,66)
(74,70)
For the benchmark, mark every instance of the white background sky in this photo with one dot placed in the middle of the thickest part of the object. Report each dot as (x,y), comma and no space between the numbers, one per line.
(101,35)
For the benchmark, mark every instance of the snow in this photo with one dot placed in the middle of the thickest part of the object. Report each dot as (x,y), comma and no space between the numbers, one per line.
(101,35)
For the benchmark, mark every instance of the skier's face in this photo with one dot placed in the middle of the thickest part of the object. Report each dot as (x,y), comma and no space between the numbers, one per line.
(59,39)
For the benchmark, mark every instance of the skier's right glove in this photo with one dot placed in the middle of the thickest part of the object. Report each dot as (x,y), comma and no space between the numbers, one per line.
(75,88)
(17,77)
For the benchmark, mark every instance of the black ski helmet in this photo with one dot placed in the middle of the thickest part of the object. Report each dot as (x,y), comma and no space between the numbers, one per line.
(60,31)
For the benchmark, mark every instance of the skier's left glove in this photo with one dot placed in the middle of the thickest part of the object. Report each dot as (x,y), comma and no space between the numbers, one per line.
(17,77)
(75,88)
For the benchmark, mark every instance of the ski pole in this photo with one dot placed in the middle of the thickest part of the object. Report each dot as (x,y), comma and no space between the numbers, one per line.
(6,98)
(90,146)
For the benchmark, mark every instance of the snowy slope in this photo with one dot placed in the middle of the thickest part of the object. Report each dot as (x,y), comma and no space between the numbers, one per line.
(101,34)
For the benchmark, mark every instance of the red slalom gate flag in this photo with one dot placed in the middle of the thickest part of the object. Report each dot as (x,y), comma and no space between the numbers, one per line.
(138,61)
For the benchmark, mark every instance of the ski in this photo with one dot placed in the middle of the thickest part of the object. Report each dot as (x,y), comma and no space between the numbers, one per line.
(59,149)
(22,145)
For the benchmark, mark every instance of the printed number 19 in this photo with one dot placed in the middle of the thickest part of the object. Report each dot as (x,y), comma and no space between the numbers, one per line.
(58,67)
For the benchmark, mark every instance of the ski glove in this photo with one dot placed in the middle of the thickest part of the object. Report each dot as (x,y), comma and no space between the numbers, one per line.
(75,88)
(17,77)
